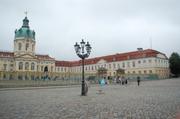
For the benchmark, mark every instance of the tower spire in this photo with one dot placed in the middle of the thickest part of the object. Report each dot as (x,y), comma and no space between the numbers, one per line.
(25,13)
(25,21)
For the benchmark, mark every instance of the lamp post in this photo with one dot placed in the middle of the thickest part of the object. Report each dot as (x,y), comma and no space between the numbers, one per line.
(83,51)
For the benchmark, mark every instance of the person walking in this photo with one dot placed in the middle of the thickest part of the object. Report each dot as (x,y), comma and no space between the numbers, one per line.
(138,80)
(126,81)
(120,80)
(102,84)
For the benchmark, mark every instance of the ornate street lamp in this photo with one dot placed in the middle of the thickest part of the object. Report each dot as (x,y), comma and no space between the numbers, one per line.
(83,51)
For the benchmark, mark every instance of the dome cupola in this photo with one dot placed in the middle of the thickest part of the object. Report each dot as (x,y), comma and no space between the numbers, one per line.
(25,31)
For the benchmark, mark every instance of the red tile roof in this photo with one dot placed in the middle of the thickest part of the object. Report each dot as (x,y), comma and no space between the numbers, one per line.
(63,63)
(109,58)
(6,54)
(112,58)
(46,57)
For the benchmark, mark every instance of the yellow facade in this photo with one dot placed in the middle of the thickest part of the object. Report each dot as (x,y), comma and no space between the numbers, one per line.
(24,63)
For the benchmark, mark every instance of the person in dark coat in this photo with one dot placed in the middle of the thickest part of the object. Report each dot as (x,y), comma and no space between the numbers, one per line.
(126,81)
(138,80)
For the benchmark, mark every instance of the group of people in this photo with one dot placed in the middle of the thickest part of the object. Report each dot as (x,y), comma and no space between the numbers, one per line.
(103,81)
(121,80)
(118,80)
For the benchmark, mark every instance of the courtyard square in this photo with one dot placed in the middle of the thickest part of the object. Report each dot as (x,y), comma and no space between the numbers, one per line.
(158,99)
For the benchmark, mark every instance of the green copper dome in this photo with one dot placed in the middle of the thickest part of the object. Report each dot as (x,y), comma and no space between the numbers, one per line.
(25,31)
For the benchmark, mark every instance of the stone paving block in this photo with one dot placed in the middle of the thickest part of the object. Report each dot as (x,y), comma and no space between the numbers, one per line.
(152,100)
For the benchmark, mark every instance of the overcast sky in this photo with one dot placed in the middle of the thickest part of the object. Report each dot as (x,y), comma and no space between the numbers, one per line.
(111,26)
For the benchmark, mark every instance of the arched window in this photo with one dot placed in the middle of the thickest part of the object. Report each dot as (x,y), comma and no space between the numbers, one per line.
(27,66)
(32,66)
(46,69)
(27,45)
(20,65)
(19,46)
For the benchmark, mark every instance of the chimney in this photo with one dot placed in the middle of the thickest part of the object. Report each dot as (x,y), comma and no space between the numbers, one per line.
(140,49)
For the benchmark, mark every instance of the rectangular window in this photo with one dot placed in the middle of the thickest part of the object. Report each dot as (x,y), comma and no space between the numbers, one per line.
(41,68)
(109,66)
(27,45)
(155,60)
(4,76)
(123,65)
(133,63)
(118,66)
(32,66)
(128,64)
(5,66)
(149,60)
(114,65)
(144,61)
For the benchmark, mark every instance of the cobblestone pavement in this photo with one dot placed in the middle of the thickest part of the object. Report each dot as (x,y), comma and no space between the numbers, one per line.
(151,100)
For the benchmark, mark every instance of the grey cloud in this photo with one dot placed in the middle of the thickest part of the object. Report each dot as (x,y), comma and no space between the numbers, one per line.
(111,26)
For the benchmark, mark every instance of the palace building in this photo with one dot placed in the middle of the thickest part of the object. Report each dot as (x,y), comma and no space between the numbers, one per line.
(23,63)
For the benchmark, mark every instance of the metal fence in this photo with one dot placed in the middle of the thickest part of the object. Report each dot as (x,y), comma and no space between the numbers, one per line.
(23,79)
